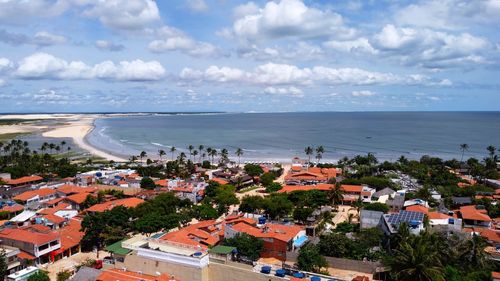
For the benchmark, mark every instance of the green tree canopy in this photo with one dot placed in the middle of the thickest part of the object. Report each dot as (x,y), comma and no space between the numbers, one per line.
(39,276)
(310,259)
(147,183)
(247,245)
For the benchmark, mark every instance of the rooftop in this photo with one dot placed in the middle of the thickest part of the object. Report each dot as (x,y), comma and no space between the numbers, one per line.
(32,193)
(106,206)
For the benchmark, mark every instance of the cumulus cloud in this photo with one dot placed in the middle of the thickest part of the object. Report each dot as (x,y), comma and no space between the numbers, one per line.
(288,18)
(17,12)
(46,66)
(245,9)
(284,74)
(294,91)
(173,39)
(358,46)
(429,48)
(122,14)
(363,93)
(44,38)
(105,45)
(41,38)
(448,14)
(5,64)
(197,5)
(300,51)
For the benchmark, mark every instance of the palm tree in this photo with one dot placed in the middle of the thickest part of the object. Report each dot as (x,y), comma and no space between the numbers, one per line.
(416,258)
(58,148)
(190,148)
(319,152)
(336,194)
(195,152)
(161,152)
(201,148)
(182,157)
(142,155)
(238,153)
(224,155)
(463,147)
(51,147)
(213,153)
(133,158)
(309,151)
(491,149)
(172,150)
(63,143)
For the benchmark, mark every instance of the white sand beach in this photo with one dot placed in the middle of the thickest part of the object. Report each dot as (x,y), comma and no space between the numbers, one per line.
(74,126)
(77,129)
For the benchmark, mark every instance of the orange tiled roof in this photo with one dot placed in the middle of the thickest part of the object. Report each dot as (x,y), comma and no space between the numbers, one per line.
(78,198)
(361,278)
(106,206)
(488,234)
(163,182)
(25,256)
(53,218)
(437,216)
(277,231)
(32,193)
(121,275)
(23,180)
(71,234)
(471,213)
(220,181)
(352,188)
(201,234)
(495,275)
(291,188)
(60,206)
(29,235)
(306,176)
(53,201)
(70,189)
(12,209)
(418,208)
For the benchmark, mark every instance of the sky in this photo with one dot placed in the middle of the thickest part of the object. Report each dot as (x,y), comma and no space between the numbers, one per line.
(257,56)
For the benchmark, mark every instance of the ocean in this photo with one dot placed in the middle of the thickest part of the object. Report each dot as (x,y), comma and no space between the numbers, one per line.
(281,136)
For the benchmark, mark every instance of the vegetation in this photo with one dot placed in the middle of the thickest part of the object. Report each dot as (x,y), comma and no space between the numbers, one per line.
(63,275)
(39,276)
(147,183)
(377,206)
(310,259)
(3,264)
(248,246)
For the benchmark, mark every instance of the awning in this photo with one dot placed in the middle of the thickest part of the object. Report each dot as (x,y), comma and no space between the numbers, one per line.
(26,256)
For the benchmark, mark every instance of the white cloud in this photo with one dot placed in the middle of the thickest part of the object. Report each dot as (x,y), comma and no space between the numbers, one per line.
(46,66)
(3,83)
(122,14)
(448,14)
(44,38)
(293,91)
(17,12)
(245,9)
(197,5)
(172,39)
(105,45)
(50,96)
(431,48)
(289,18)
(363,93)
(302,51)
(5,64)
(284,74)
(359,45)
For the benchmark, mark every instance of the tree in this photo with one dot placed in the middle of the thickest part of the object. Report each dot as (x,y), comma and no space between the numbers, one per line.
(252,204)
(336,194)
(40,275)
(377,206)
(172,150)
(463,147)
(190,148)
(310,259)
(147,183)
(194,153)
(309,151)
(491,150)
(253,170)
(273,187)
(205,212)
(247,246)
(267,178)
(143,154)
(161,153)
(277,205)
(3,264)
(301,214)
(319,153)
(238,153)
(63,275)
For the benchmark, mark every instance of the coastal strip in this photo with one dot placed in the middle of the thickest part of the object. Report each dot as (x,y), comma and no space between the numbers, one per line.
(77,130)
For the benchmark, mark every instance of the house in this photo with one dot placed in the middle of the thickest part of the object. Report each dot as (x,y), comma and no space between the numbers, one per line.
(370,219)
(23,181)
(71,236)
(68,189)
(300,175)
(277,238)
(113,274)
(23,274)
(33,197)
(35,241)
(107,206)
(203,234)
(391,222)
(291,188)
(473,216)
(416,202)
(76,200)
(383,195)
(13,263)
(12,209)
(396,203)
(353,193)
(443,222)
(418,208)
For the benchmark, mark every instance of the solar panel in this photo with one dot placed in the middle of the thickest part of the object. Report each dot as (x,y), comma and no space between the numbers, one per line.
(405,216)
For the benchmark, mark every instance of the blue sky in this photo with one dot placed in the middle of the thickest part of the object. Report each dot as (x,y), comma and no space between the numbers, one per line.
(221,55)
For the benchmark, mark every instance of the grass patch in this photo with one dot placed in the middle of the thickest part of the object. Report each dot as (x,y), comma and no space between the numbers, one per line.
(15,121)
(10,136)
(247,189)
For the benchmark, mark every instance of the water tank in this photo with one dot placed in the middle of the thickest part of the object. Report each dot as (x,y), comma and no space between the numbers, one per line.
(98,174)
(262,220)
(414,223)
(197,254)
(280,273)
(315,278)
(451,221)
(265,269)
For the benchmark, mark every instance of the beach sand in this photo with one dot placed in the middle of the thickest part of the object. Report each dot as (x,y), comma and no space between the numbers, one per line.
(77,130)
(74,126)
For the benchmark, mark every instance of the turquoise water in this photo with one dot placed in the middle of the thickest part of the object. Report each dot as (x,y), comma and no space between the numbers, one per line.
(280,136)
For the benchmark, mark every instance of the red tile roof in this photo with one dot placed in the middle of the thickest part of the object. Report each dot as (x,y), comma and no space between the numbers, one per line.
(220,181)
(12,209)
(471,213)
(202,234)
(163,182)
(291,188)
(60,206)
(53,218)
(437,216)
(29,235)
(25,256)
(23,180)
(495,275)
(53,201)
(78,198)
(352,188)
(106,206)
(25,196)
(71,234)
(72,189)
(418,208)
(277,231)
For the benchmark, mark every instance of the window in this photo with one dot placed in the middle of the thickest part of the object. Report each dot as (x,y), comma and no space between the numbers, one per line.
(43,247)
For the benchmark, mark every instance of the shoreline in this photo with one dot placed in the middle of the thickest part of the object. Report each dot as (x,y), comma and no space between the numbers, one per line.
(78,130)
